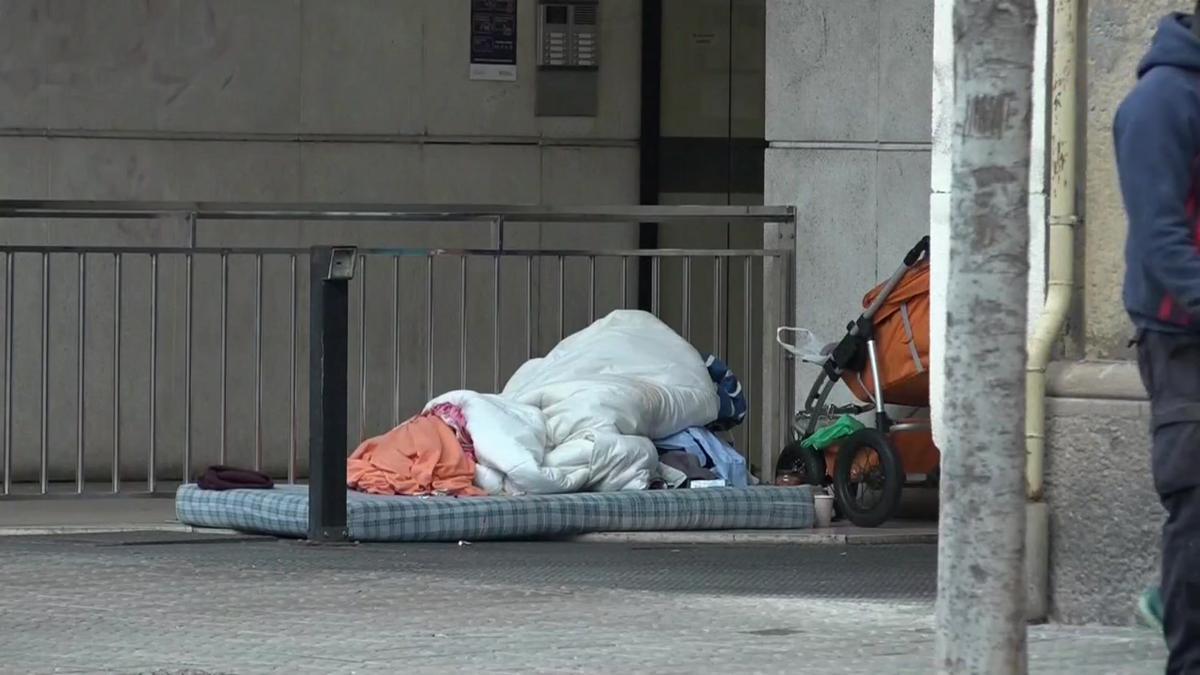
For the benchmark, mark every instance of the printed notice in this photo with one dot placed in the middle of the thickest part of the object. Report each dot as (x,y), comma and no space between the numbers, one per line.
(494,40)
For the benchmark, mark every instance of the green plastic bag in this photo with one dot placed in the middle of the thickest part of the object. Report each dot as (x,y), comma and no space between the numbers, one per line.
(824,437)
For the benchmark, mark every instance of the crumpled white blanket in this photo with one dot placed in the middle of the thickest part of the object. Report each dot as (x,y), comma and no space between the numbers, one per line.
(582,418)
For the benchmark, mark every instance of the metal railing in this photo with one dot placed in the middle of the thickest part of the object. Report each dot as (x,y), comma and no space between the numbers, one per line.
(103,396)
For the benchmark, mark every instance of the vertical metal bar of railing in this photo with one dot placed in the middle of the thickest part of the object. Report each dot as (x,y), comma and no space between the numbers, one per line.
(718,287)
(686,304)
(116,381)
(787,400)
(293,432)
(748,349)
(591,289)
(529,316)
(224,425)
(498,241)
(189,355)
(80,377)
(624,282)
(776,408)
(788,386)
(562,299)
(9,310)
(497,301)
(152,446)
(790,280)
(396,341)
(462,322)
(429,327)
(362,347)
(188,312)
(772,369)
(655,284)
(44,432)
(258,359)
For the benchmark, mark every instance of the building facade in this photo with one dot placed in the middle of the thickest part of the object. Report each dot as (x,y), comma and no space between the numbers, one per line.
(835,106)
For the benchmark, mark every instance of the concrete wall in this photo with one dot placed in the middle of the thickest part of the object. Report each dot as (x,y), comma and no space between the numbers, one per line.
(1119,32)
(848,127)
(287,100)
(1104,514)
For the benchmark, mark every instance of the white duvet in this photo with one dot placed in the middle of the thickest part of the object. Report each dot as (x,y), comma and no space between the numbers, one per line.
(581,418)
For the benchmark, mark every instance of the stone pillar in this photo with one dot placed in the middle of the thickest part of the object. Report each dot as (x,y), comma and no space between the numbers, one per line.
(848,137)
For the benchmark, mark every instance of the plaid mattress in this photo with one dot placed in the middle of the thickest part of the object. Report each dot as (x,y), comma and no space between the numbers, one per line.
(284,512)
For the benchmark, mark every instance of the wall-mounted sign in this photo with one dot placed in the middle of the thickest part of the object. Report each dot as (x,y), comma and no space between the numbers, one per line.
(494,40)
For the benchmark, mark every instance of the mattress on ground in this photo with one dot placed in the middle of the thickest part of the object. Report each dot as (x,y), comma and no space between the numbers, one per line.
(283,511)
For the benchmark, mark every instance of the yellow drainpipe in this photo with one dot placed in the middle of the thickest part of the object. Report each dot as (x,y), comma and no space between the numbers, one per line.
(1063,218)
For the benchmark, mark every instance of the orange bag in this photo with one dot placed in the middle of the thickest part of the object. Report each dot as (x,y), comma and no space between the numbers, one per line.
(901,343)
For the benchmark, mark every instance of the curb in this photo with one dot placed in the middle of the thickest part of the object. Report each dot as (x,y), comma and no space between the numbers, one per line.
(695,538)
(57,530)
(762,537)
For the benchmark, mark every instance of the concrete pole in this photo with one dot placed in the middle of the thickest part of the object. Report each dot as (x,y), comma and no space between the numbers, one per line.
(981,594)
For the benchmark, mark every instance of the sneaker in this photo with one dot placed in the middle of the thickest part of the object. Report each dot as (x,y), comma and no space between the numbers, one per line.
(1150,608)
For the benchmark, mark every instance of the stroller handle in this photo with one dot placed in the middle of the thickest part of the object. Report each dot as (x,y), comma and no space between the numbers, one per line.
(919,251)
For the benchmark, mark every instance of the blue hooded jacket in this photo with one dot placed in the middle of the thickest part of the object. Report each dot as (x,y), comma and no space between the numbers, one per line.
(1157,140)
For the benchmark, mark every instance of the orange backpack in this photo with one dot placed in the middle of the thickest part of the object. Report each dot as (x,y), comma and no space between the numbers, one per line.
(901,343)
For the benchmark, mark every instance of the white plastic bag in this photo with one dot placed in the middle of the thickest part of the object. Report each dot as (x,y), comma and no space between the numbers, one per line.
(805,345)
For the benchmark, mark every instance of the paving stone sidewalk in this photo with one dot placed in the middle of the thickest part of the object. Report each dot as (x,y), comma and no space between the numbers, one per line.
(176,603)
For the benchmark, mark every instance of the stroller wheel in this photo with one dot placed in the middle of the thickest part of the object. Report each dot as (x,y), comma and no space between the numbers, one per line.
(807,465)
(868,478)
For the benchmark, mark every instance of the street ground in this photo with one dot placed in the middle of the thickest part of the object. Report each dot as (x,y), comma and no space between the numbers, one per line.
(173,602)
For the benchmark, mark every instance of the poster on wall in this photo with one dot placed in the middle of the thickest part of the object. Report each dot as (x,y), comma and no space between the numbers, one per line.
(494,40)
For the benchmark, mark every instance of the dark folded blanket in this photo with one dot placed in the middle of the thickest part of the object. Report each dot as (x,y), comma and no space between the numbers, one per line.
(232,478)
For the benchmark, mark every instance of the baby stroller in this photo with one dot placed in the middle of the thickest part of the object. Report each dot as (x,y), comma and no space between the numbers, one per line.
(884,360)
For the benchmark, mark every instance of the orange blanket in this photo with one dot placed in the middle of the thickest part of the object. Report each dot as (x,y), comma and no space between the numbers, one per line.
(420,457)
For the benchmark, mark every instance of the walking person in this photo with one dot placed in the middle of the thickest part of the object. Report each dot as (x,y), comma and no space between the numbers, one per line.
(1157,141)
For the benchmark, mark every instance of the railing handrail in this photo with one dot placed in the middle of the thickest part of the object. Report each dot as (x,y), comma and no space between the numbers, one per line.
(118,209)
(400,252)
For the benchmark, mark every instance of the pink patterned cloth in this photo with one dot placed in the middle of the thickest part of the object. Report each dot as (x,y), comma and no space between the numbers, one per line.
(454,418)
